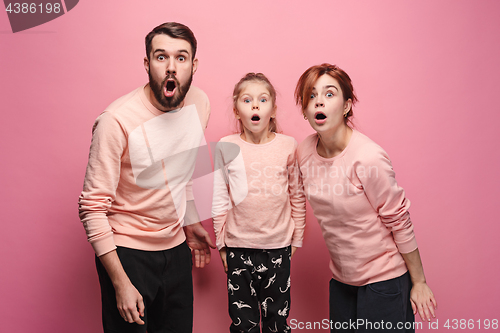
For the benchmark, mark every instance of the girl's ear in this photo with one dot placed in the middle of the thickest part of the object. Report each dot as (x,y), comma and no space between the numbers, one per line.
(236,113)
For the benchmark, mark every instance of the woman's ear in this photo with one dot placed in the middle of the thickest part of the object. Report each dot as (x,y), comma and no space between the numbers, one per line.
(347,106)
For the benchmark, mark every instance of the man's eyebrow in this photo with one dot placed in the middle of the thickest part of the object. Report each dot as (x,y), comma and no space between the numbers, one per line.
(179,51)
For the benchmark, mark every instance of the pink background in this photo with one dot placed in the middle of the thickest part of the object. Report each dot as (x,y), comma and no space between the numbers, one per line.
(426,73)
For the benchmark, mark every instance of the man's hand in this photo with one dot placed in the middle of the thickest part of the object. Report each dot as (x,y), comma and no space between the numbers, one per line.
(199,242)
(128,299)
(130,304)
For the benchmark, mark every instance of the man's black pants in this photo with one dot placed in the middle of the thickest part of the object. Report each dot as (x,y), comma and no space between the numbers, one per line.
(164,280)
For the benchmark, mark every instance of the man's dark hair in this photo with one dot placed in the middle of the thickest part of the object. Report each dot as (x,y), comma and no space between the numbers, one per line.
(174,30)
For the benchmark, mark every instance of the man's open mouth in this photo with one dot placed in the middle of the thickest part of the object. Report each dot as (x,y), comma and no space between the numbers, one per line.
(170,88)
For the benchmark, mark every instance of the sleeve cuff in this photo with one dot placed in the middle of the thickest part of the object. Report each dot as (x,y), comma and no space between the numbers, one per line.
(407,246)
(104,245)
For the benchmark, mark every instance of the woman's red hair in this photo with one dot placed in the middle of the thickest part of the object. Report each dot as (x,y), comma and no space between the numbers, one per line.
(311,75)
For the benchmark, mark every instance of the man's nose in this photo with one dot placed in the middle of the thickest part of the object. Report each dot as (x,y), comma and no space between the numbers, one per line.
(171,67)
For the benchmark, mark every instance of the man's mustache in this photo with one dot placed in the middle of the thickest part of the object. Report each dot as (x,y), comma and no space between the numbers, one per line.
(170,77)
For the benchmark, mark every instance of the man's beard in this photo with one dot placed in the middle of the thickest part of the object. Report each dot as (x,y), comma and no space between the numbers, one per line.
(174,101)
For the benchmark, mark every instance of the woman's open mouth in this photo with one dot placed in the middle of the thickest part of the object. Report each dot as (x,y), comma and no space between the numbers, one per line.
(320,118)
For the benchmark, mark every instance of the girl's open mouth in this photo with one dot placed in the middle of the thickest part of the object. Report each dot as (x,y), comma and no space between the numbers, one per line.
(255,118)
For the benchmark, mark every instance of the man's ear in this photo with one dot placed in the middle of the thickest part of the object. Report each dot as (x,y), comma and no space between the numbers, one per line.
(146,64)
(195,65)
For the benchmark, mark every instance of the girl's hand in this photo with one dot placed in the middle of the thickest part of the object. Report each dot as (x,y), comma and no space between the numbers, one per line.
(422,300)
(294,248)
(223,256)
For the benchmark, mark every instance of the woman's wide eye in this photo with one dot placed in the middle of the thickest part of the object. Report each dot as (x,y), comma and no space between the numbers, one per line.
(312,96)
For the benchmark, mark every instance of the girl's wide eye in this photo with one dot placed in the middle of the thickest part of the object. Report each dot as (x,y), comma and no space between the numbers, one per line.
(329,94)
(246,100)
(263,100)
(312,96)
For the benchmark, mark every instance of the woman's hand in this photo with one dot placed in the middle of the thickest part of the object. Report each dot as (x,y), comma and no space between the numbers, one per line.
(422,300)
(421,296)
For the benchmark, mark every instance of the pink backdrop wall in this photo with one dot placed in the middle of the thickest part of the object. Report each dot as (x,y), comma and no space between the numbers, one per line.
(426,73)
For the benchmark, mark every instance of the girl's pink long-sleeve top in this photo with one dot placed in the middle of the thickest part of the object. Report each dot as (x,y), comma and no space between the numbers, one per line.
(362,211)
(257,201)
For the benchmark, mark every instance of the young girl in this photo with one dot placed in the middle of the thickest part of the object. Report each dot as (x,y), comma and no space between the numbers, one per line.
(350,184)
(258,210)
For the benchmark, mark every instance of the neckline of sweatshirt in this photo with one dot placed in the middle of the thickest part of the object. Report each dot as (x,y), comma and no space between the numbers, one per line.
(353,138)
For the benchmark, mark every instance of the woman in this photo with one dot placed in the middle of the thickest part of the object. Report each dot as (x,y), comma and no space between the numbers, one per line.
(378,277)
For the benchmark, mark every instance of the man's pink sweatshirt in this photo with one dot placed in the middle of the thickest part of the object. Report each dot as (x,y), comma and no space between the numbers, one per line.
(138,175)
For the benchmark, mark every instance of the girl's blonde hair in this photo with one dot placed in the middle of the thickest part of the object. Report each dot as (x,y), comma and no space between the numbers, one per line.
(256,77)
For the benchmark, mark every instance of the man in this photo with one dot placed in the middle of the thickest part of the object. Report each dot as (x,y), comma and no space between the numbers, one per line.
(137,193)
